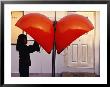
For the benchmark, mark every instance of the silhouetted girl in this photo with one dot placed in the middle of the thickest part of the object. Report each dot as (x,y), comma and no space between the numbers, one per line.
(24,54)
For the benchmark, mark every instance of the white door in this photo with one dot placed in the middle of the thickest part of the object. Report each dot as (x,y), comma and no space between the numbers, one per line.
(80,53)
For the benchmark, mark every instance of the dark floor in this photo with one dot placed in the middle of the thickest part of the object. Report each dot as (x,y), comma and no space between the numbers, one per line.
(64,74)
(79,74)
(36,75)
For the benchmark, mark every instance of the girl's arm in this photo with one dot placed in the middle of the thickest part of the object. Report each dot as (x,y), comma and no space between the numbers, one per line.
(34,47)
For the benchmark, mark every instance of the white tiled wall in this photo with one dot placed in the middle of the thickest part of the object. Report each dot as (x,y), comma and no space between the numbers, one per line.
(40,62)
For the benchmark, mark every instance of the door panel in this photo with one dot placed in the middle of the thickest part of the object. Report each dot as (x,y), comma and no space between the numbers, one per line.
(75,53)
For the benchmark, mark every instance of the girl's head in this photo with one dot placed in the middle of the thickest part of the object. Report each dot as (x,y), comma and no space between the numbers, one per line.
(22,40)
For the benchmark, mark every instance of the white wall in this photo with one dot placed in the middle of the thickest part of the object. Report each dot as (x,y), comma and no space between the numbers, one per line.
(42,63)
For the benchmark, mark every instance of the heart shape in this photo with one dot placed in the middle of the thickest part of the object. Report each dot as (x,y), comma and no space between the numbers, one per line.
(69,28)
(41,29)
